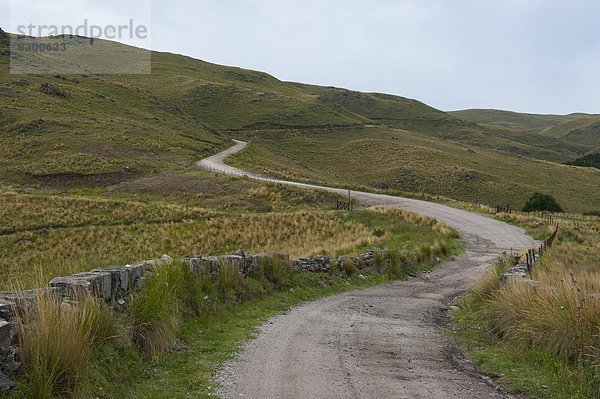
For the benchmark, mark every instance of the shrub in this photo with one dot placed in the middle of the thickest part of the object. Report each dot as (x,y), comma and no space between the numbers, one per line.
(348,266)
(274,270)
(589,161)
(542,202)
(380,261)
(156,311)
(423,253)
(56,341)
(229,281)
(377,232)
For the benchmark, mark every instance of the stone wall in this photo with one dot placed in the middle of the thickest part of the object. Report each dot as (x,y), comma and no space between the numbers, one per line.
(323,264)
(117,284)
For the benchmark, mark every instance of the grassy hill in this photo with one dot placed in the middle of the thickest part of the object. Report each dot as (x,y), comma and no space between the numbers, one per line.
(509,119)
(134,133)
(588,161)
(413,162)
(582,129)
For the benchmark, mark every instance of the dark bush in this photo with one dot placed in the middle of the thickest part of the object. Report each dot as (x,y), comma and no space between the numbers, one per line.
(542,202)
(589,161)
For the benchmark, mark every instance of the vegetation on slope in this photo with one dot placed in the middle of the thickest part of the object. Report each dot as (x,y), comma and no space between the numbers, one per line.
(109,130)
(201,319)
(542,202)
(412,162)
(588,161)
(543,339)
(582,129)
(509,119)
(585,129)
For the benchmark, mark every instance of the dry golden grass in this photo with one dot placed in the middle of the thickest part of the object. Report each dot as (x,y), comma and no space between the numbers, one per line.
(33,258)
(561,314)
(56,341)
(21,212)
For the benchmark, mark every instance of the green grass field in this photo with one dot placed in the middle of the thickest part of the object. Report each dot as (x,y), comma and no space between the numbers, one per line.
(411,162)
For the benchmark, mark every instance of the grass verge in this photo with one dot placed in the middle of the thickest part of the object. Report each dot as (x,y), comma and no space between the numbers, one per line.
(183,323)
(542,337)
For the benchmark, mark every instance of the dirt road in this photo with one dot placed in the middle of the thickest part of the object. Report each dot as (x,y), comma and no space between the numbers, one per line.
(382,342)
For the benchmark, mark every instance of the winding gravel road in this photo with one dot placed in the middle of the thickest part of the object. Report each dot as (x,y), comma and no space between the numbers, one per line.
(383,342)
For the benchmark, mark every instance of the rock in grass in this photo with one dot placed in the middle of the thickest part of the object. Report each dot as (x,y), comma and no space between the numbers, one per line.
(53,90)
(5,383)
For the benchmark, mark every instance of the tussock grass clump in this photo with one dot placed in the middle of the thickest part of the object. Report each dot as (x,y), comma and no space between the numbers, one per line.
(439,248)
(157,310)
(562,317)
(274,270)
(424,253)
(558,314)
(409,216)
(348,266)
(381,262)
(56,341)
(445,230)
(229,281)
(487,286)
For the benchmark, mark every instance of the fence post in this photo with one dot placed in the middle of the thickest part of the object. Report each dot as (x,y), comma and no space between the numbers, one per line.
(349,201)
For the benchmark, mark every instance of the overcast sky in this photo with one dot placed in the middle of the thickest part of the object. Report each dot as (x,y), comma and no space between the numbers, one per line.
(538,56)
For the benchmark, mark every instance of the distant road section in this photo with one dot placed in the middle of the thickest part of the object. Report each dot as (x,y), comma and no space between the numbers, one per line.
(382,342)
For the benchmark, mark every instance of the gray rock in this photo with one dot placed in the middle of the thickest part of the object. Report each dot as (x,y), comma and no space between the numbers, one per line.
(198,266)
(119,279)
(518,272)
(5,310)
(97,283)
(233,260)
(5,383)
(10,363)
(53,90)
(240,252)
(253,262)
(318,264)
(6,331)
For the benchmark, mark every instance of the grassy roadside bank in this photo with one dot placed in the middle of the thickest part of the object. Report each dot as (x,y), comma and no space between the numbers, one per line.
(541,339)
(214,338)
(399,160)
(180,327)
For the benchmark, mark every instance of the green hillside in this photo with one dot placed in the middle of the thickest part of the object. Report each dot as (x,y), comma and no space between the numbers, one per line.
(105,130)
(584,129)
(413,162)
(588,161)
(509,119)
(578,129)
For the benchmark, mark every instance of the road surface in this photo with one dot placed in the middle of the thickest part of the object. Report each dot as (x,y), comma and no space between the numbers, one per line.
(383,342)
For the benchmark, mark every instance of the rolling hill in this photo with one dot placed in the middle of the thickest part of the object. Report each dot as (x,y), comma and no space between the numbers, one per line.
(582,129)
(93,130)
